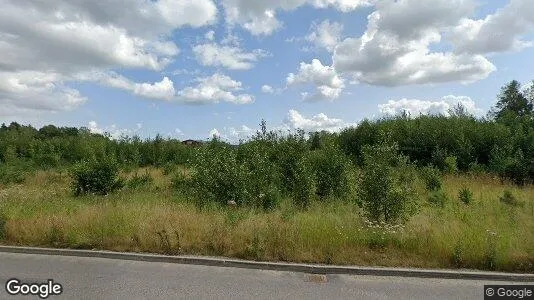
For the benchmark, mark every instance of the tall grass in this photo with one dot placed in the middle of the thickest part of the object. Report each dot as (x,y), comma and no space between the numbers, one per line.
(487,234)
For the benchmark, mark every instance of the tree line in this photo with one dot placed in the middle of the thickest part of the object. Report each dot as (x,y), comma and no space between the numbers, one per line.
(502,142)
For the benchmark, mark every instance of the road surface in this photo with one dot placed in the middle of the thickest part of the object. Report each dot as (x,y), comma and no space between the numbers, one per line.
(100,278)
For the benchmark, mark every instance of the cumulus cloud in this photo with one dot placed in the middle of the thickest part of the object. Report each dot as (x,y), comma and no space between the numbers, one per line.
(230,57)
(214,133)
(162,90)
(267,89)
(325,35)
(395,48)
(497,32)
(69,38)
(215,89)
(113,131)
(328,83)
(319,122)
(28,92)
(259,17)
(415,107)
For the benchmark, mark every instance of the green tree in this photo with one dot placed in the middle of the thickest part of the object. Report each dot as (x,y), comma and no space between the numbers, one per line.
(512,103)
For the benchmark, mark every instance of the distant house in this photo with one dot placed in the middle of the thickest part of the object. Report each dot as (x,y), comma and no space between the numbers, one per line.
(191,143)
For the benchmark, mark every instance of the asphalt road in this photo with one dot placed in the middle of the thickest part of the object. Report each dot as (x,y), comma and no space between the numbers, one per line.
(99,278)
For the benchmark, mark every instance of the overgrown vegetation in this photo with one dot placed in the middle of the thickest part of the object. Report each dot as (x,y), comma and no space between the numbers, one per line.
(95,177)
(376,186)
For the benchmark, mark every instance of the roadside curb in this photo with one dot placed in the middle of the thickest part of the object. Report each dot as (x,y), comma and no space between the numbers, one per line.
(275,266)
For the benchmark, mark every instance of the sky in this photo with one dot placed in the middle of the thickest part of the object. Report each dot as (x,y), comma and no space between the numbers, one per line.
(193,69)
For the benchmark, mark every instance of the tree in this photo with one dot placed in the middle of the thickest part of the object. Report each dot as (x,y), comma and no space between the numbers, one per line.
(512,103)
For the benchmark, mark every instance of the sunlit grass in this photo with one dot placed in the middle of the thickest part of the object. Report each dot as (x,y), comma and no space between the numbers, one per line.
(486,234)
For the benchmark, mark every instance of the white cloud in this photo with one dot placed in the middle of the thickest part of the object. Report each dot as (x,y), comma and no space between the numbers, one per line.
(162,90)
(113,131)
(210,35)
(329,84)
(395,49)
(159,90)
(214,133)
(267,89)
(497,32)
(259,17)
(28,92)
(242,133)
(215,89)
(179,132)
(325,35)
(231,57)
(69,38)
(319,122)
(415,107)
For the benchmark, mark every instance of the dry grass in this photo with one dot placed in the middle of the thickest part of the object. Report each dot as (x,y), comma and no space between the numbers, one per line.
(486,234)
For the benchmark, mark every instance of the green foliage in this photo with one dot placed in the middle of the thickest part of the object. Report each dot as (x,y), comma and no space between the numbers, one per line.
(432,178)
(12,173)
(244,175)
(450,165)
(99,177)
(303,186)
(438,198)
(513,103)
(465,195)
(330,169)
(138,182)
(509,198)
(386,186)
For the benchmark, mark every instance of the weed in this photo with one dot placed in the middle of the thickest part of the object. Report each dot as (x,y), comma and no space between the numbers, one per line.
(432,178)
(143,181)
(438,198)
(3,225)
(465,195)
(508,198)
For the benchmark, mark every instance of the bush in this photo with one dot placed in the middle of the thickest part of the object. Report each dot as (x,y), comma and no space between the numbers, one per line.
(330,169)
(508,198)
(143,181)
(385,188)
(451,165)
(432,178)
(465,195)
(438,197)
(303,186)
(244,175)
(9,174)
(99,177)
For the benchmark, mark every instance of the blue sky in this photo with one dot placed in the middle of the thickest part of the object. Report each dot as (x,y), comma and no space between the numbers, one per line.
(190,69)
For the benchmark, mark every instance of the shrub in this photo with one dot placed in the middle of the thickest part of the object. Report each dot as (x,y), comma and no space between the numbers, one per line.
(450,165)
(244,175)
(143,181)
(508,198)
(432,178)
(99,177)
(304,185)
(169,168)
(330,169)
(465,195)
(385,188)
(438,197)
(13,173)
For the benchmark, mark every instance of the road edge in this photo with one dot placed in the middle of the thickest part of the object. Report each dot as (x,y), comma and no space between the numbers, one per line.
(278,266)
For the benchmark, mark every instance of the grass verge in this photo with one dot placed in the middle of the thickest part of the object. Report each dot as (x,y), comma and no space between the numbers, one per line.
(486,234)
